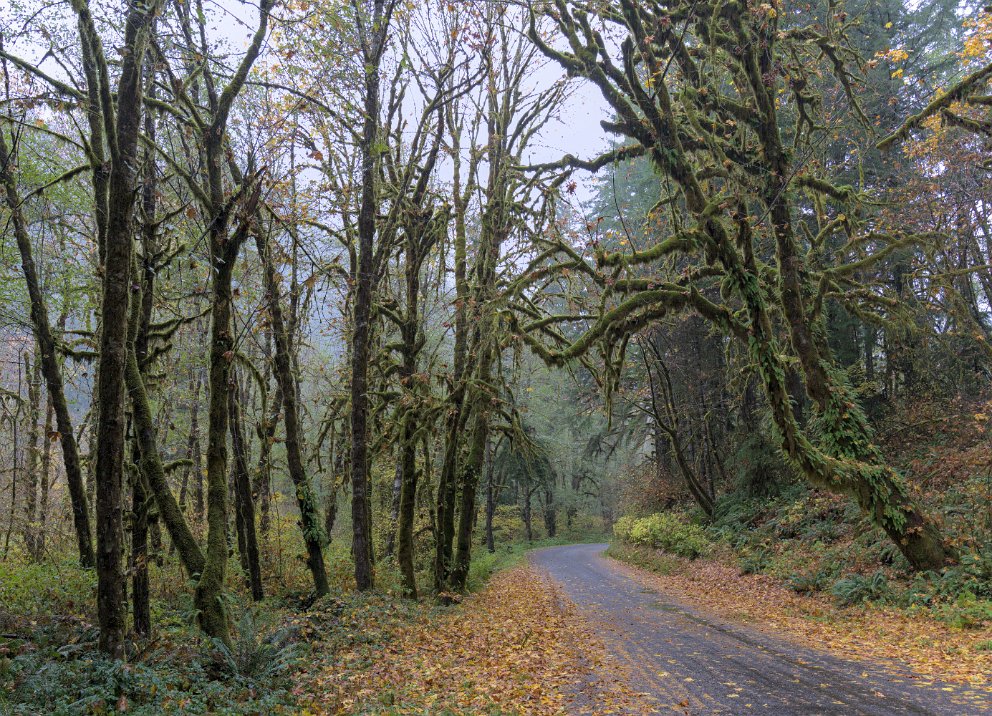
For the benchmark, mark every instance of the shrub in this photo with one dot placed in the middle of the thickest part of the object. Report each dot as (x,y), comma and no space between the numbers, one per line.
(664,531)
(508,524)
(856,588)
(754,561)
(966,612)
(973,575)
(622,528)
(253,655)
(808,583)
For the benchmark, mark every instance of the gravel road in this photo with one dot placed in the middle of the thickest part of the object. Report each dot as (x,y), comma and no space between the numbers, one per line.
(694,663)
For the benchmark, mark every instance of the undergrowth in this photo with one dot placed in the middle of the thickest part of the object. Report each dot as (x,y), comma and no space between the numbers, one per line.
(49,662)
(819,542)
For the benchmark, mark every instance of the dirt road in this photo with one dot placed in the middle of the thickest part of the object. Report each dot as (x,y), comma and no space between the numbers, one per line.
(693,663)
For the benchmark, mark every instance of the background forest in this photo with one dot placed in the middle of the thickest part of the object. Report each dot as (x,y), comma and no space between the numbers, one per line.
(311,308)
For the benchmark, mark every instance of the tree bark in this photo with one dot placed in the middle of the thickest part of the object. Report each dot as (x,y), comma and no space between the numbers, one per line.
(245,505)
(193,453)
(373,43)
(122,122)
(550,512)
(140,593)
(490,501)
(46,472)
(33,373)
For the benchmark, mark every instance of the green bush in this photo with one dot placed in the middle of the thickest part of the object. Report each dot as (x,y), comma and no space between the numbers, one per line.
(966,612)
(664,531)
(85,682)
(254,655)
(754,561)
(856,589)
(622,528)
(508,525)
(810,582)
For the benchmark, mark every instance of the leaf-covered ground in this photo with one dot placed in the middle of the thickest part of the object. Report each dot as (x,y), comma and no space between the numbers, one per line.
(517,647)
(928,647)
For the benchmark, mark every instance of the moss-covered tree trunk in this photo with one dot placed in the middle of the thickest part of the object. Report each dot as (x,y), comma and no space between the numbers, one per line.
(306,500)
(219,205)
(243,502)
(41,536)
(49,361)
(407,468)
(374,29)
(32,370)
(121,125)
(447,480)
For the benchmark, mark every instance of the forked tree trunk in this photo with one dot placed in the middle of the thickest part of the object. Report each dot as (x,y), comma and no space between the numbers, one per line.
(224,249)
(118,258)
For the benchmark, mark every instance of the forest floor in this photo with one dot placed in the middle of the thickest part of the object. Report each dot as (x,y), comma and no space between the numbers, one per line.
(712,641)
(517,647)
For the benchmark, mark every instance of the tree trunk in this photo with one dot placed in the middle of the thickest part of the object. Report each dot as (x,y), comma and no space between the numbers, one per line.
(140,595)
(394,507)
(444,516)
(447,485)
(361,519)
(154,472)
(527,515)
(224,249)
(550,512)
(248,539)
(192,453)
(490,502)
(33,372)
(266,436)
(306,500)
(117,268)
(16,462)
(407,506)
(471,475)
(49,362)
(209,589)
(46,466)
(861,469)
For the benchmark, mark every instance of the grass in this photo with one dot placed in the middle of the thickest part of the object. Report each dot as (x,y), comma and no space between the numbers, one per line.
(646,558)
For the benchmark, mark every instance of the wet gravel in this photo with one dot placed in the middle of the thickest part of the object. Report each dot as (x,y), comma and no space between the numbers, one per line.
(694,663)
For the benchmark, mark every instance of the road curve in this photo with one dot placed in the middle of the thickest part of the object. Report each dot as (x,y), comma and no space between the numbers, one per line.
(692,663)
